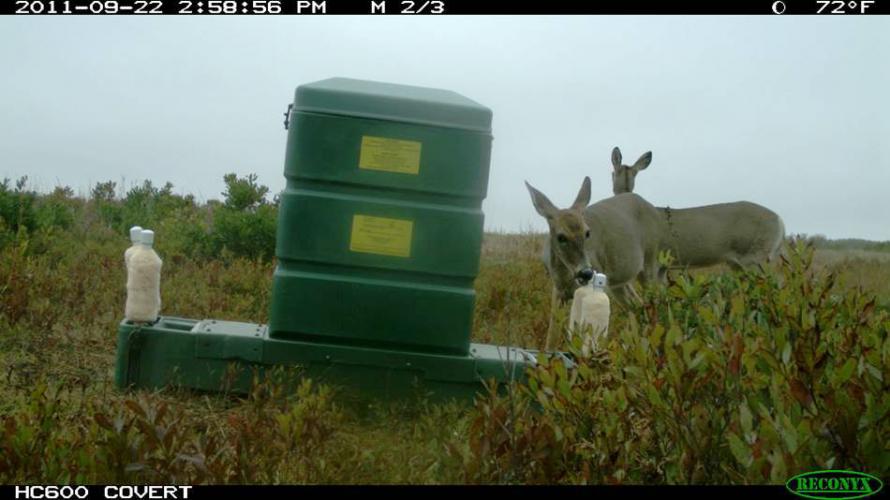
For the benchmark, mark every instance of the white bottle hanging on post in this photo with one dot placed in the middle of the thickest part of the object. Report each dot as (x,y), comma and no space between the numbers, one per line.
(135,240)
(590,312)
(144,282)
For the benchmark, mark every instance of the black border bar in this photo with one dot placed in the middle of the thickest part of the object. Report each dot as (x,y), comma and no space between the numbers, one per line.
(243,492)
(827,8)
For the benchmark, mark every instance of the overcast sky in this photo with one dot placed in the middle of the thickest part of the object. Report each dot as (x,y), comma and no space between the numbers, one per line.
(789,112)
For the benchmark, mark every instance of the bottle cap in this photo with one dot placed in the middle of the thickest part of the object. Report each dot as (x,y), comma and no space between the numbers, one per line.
(135,234)
(148,237)
(599,280)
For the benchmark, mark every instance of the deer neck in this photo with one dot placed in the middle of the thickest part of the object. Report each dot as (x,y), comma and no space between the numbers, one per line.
(563,277)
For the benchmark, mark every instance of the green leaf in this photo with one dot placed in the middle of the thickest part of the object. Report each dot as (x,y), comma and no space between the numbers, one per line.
(846,371)
(654,396)
(746,417)
(697,360)
(789,434)
(740,450)
(656,334)
(781,337)
(563,387)
(873,370)
(674,335)
(778,471)
(737,306)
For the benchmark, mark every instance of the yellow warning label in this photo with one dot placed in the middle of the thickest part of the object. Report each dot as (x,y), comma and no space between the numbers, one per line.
(390,155)
(381,236)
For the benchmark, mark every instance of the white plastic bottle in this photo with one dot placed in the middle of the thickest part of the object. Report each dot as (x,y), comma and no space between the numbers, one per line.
(590,312)
(144,282)
(135,237)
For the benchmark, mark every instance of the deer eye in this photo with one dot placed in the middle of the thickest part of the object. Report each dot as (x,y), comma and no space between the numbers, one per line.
(561,238)
(587,234)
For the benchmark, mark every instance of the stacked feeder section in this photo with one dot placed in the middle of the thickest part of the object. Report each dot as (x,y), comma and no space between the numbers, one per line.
(378,245)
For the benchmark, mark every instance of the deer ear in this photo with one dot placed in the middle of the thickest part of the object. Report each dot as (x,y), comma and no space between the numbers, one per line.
(583,198)
(643,162)
(616,158)
(543,205)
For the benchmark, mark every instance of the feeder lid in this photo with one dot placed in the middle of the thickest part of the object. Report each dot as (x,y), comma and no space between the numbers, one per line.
(392,102)
(148,237)
(135,234)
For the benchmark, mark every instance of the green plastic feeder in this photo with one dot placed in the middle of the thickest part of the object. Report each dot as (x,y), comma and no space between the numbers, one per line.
(378,245)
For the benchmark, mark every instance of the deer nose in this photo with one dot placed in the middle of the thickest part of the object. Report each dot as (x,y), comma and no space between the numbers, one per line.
(585,275)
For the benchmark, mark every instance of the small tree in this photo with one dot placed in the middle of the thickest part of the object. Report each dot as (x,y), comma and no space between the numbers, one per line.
(246,222)
(244,194)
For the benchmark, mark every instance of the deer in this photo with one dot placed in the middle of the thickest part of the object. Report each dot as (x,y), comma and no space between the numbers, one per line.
(622,175)
(619,236)
(737,234)
(623,235)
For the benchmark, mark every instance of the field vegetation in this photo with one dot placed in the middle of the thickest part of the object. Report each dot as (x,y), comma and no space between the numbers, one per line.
(718,377)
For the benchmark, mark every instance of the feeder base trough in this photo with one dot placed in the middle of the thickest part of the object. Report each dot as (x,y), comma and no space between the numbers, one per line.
(223,356)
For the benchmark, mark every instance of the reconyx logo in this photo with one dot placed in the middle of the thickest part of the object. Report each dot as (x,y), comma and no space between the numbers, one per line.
(834,484)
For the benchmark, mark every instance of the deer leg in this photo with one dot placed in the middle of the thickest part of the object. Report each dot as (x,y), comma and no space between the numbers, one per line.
(733,262)
(635,297)
(655,272)
(761,259)
(651,270)
(650,273)
(625,294)
(554,302)
(620,294)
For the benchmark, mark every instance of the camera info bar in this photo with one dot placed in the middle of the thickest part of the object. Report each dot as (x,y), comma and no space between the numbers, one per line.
(441,7)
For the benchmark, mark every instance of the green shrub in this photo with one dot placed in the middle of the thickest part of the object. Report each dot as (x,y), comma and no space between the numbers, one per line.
(821,242)
(145,439)
(57,210)
(733,378)
(148,206)
(244,194)
(245,224)
(242,226)
(17,211)
(105,203)
(245,234)
(510,442)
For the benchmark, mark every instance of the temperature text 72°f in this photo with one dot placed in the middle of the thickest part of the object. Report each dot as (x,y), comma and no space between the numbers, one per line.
(844,6)
(411,7)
